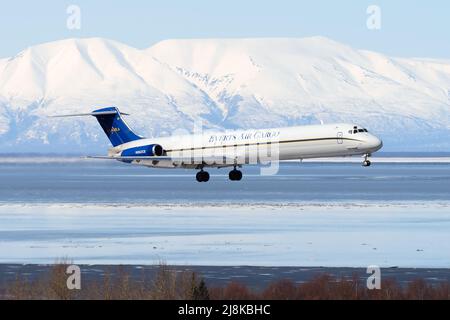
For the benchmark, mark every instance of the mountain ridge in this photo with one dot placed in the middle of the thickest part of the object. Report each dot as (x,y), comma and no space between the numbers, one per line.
(224,83)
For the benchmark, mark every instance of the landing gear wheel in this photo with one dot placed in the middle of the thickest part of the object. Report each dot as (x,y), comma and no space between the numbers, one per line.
(367,163)
(202,176)
(235,175)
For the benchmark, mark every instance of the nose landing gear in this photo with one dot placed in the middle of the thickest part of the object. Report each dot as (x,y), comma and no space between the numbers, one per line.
(366,162)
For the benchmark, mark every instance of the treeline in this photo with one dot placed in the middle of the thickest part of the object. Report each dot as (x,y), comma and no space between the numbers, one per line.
(171,284)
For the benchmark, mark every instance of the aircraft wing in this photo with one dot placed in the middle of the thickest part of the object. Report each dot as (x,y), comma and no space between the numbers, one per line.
(218,161)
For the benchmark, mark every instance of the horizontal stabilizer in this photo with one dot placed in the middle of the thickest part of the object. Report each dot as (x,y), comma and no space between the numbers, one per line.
(115,128)
(98,113)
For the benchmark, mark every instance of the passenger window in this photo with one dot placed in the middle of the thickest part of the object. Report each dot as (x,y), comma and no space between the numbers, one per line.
(350,131)
(361,130)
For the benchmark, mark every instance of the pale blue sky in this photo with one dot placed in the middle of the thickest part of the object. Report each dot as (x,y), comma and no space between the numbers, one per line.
(409,28)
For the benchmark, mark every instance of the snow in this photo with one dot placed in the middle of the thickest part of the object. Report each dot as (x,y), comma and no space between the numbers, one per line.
(225,83)
(351,235)
(3,63)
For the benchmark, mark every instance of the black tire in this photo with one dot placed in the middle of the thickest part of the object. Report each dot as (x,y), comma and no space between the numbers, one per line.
(202,176)
(235,175)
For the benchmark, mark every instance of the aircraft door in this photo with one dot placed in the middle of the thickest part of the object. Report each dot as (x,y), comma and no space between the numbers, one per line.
(340,138)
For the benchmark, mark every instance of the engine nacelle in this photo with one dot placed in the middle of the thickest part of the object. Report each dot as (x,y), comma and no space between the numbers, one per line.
(144,151)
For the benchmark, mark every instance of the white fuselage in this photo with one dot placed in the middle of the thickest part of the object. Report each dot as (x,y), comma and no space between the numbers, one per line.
(253,146)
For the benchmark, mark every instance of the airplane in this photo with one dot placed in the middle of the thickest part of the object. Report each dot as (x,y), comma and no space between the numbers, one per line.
(232,149)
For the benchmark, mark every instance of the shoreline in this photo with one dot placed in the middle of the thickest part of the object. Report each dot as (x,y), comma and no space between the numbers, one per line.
(235,205)
(256,277)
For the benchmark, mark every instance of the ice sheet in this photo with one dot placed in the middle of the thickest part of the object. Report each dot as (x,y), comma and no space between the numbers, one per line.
(352,235)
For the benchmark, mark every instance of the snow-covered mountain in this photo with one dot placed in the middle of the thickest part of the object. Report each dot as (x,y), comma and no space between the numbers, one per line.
(240,83)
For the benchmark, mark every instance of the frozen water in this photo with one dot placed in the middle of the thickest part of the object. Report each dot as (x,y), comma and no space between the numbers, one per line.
(116,183)
(350,235)
(314,214)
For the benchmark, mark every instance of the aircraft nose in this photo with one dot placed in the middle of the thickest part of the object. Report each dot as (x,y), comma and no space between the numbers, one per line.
(375,143)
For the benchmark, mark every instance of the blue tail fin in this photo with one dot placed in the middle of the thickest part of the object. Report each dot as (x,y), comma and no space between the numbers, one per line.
(114,126)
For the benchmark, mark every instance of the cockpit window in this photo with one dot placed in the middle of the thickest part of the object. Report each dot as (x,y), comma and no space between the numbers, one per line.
(356,130)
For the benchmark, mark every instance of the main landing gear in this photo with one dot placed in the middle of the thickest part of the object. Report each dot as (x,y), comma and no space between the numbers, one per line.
(202,176)
(366,162)
(235,175)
